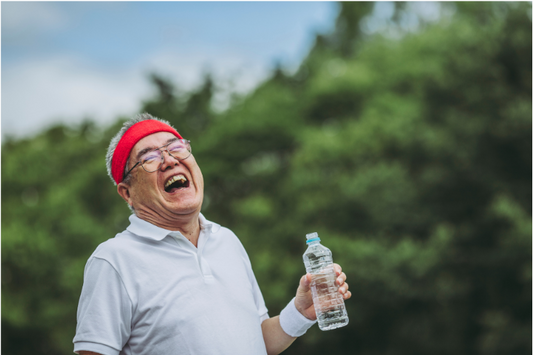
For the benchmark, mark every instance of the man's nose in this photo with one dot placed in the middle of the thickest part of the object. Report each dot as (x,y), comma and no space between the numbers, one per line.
(168,160)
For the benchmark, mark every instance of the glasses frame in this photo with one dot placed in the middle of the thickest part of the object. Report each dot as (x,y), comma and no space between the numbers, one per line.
(186,141)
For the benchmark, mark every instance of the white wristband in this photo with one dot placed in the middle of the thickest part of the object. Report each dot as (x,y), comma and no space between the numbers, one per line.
(293,322)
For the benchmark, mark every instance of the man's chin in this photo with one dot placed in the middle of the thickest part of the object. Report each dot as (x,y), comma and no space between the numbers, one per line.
(185,207)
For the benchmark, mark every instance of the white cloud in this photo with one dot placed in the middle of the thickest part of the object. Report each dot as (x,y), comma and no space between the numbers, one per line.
(38,93)
(23,20)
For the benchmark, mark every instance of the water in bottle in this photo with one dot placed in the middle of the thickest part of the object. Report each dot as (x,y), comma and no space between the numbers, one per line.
(328,301)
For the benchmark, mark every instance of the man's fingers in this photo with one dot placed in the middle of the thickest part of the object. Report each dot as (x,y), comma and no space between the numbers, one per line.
(341,279)
(305,282)
(344,288)
(338,269)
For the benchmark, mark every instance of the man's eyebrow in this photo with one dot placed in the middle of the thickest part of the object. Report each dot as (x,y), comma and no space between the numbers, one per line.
(146,150)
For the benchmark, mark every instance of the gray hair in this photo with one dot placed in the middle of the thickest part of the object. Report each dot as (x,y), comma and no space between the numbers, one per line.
(114,142)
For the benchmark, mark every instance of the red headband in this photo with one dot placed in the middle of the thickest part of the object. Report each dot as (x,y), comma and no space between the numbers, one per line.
(134,134)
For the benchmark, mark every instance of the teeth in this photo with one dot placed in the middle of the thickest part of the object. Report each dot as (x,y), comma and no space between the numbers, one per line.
(174,179)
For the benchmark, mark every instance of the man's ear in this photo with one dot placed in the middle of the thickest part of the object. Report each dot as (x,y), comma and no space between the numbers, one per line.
(124,192)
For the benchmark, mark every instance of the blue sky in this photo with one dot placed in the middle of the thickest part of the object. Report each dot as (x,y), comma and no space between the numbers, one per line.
(64,61)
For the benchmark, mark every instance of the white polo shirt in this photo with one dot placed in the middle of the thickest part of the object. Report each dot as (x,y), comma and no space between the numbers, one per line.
(151,291)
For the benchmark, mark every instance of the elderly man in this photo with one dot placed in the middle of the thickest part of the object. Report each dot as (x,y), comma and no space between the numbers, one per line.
(174,282)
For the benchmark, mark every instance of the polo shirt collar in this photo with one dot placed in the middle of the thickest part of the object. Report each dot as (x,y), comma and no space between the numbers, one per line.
(146,229)
(208,225)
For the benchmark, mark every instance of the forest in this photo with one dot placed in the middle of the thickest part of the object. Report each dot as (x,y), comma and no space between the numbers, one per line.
(410,155)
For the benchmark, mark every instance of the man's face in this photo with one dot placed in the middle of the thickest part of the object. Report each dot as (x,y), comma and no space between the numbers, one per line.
(147,193)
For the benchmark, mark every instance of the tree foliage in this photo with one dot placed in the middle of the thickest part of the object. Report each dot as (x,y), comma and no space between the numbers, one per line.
(411,157)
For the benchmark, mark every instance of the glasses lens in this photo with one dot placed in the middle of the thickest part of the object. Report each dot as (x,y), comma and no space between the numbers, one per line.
(151,161)
(179,149)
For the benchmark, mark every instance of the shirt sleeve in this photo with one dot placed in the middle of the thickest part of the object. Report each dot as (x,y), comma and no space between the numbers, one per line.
(104,310)
(262,311)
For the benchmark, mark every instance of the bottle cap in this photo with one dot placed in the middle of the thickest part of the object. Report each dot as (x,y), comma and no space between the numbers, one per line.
(312,237)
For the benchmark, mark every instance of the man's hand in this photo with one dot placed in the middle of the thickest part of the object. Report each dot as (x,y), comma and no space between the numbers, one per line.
(304,298)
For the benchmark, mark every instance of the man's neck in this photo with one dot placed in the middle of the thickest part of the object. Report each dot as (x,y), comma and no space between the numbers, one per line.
(188,225)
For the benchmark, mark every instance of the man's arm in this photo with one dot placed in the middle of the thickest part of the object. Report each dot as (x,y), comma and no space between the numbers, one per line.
(276,339)
(82,352)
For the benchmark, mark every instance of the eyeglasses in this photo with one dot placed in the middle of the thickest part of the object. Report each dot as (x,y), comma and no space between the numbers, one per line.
(152,160)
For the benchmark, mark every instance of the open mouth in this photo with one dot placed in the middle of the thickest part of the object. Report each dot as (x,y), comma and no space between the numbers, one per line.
(176,182)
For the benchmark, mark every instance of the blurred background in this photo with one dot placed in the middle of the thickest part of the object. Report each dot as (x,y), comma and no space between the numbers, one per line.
(400,132)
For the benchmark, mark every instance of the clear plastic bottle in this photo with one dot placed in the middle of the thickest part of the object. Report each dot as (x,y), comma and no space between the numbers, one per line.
(329,303)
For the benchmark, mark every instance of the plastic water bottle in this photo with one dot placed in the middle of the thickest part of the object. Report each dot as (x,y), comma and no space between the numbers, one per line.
(329,303)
